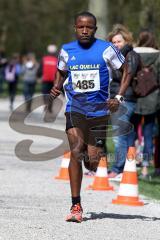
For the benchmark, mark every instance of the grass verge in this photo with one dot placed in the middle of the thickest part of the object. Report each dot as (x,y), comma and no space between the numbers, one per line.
(149,188)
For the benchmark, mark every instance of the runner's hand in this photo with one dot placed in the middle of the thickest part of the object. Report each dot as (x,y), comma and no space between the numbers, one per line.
(113,104)
(54,92)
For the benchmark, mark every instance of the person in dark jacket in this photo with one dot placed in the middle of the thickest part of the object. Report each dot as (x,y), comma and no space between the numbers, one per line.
(3,63)
(149,106)
(11,73)
(124,135)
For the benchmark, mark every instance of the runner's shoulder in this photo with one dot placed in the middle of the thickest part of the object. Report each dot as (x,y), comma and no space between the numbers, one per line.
(69,45)
(103,43)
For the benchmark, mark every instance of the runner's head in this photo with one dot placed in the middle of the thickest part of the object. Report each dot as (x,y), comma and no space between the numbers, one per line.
(85,28)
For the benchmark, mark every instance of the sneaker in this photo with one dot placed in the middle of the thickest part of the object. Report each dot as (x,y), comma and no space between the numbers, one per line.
(90,174)
(76,214)
(115,176)
(112,175)
(145,177)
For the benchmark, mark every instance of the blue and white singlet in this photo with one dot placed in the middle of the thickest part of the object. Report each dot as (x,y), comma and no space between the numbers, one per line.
(87,85)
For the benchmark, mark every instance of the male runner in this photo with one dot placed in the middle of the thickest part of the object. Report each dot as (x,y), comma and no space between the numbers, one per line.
(84,69)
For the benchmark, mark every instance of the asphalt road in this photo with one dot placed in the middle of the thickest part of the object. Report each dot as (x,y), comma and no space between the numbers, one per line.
(33,205)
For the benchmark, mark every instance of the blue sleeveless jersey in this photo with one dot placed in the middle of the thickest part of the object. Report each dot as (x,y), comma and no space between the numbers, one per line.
(87,84)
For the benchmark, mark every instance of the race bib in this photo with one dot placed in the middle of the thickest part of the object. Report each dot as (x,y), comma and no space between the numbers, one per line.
(85,81)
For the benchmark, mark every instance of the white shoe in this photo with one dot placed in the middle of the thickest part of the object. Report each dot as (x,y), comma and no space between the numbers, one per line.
(117,178)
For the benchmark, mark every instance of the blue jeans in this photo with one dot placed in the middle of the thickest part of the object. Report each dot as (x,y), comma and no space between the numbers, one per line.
(29,89)
(124,135)
(149,121)
(1,79)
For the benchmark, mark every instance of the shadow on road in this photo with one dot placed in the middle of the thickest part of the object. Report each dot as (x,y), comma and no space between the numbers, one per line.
(94,216)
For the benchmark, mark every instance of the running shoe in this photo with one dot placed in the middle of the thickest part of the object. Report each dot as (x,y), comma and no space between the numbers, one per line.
(145,177)
(90,174)
(115,176)
(76,214)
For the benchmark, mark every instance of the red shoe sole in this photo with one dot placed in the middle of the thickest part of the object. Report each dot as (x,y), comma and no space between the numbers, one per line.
(73,219)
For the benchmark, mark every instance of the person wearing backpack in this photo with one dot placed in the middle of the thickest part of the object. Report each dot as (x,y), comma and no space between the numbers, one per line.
(123,137)
(147,106)
(29,77)
(47,71)
(11,74)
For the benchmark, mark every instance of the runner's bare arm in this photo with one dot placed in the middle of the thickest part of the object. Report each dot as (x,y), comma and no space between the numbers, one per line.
(58,83)
(113,104)
(126,78)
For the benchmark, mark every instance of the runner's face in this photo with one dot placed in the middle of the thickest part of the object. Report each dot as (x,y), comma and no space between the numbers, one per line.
(118,41)
(85,29)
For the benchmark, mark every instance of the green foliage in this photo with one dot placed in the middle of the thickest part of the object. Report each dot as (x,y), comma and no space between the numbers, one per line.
(31,25)
(136,15)
(151,186)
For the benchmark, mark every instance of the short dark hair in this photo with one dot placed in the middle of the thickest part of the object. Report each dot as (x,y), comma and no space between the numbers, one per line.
(85,14)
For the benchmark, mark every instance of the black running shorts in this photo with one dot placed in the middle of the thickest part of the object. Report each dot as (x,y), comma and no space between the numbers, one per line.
(93,129)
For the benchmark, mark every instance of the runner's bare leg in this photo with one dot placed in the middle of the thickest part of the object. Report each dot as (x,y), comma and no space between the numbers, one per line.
(77,147)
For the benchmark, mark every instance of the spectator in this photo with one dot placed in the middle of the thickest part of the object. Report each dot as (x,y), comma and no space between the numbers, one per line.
(29,77)
(3,62)
(157,145)
(147,106)
(122,39)
(46,71)
(12,71)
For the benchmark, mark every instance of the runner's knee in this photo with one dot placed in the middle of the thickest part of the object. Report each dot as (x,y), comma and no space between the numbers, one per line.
(77,155)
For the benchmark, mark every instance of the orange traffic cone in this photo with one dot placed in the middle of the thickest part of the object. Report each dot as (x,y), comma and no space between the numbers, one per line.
(63,173)
(128,190)
(100,181)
